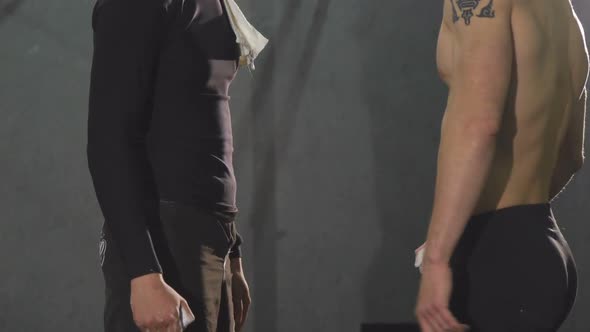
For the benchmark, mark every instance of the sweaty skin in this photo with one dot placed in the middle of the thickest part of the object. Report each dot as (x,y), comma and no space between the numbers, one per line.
(513,129)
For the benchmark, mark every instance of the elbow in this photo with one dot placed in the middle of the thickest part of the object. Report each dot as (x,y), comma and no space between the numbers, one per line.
(94,152)
(102,138)
(99,146)
(94,144)
(482,128)
(476,114)
(90,145)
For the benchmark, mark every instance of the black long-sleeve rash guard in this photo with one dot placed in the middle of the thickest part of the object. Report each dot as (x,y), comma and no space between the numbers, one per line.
(159,125)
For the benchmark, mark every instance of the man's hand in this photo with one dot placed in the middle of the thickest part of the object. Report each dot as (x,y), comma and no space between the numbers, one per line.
(240,294)
(432,309)
(156,306)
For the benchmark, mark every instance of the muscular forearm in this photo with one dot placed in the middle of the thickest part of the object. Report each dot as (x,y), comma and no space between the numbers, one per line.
(465,156)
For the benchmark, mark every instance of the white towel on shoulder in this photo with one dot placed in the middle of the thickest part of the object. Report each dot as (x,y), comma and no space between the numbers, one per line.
(250,40)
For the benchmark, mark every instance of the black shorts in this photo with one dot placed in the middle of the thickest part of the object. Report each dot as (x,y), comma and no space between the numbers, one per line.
(513,271)
(192,246)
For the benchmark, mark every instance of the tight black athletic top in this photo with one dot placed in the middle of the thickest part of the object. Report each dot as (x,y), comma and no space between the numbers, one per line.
(159,124)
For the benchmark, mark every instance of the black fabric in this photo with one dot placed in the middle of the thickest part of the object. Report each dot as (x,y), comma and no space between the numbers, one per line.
(193,246)
(513,271)
(397,327)
(159,125)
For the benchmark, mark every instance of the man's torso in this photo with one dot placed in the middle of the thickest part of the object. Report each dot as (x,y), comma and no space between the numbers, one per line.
(549,73)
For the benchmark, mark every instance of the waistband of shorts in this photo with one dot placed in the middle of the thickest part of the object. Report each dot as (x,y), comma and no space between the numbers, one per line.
(516,212)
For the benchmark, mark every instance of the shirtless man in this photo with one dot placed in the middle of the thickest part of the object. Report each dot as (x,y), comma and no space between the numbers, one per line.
(512,137)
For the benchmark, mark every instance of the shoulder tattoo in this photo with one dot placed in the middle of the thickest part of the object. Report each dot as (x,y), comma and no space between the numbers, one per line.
(467,9)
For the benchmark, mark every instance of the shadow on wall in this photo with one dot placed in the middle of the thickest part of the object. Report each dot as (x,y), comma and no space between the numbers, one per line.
(273,136)
(405,101)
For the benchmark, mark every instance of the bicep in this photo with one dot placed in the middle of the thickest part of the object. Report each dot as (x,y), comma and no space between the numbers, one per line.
(127,35)
(482,62)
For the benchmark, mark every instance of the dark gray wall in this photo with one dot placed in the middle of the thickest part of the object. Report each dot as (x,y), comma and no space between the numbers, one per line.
(336,135)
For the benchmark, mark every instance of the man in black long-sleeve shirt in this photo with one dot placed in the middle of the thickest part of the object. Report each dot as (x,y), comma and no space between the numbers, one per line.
(160,155)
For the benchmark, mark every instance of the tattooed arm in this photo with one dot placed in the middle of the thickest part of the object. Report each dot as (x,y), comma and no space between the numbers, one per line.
(478,66)
(469,8)
(481,67)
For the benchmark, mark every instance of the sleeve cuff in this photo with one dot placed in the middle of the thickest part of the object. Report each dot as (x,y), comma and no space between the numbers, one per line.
(236,250)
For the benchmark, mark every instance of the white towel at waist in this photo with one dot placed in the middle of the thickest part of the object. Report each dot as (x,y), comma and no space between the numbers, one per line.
(250,40)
